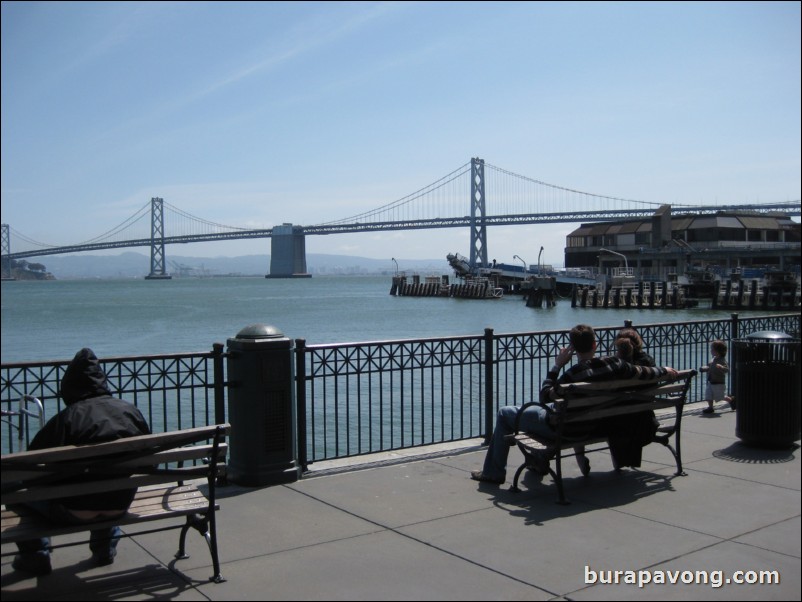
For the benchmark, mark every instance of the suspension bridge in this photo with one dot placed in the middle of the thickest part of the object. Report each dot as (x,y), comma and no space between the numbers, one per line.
(513,198)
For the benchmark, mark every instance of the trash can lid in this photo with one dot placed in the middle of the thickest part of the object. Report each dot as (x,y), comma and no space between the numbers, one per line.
(768,335)
(260,331)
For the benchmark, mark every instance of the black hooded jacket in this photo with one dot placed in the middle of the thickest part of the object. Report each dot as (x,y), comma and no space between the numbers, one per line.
(92,415)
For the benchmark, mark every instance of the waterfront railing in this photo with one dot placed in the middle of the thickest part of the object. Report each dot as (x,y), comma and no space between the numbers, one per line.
(361,398)
(173,391)
(364,398)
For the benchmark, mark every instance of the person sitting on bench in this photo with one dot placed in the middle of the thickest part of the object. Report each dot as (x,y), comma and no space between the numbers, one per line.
(534,419)
(92,415)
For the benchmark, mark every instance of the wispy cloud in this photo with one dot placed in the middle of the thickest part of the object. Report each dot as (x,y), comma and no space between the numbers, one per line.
(307,37)
(304,39)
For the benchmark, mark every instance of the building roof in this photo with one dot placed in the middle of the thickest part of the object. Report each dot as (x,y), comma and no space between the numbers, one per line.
(739,220)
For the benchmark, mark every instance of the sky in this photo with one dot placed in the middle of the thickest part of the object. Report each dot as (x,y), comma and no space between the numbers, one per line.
(256,114)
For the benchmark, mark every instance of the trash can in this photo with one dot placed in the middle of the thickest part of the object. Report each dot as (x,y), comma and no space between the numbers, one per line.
(766,387)
(261,408)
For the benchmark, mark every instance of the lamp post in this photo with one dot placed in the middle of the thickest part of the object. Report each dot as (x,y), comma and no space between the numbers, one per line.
(626,265)
(522,261)
(396,265)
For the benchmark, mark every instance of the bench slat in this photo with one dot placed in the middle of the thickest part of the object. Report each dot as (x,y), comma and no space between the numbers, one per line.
(120,446)
(591,414)
(608,395)
(161,503)
(594,415)
(23,471)
(101,486)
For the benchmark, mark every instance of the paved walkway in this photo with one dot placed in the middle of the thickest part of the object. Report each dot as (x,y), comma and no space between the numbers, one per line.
(417,528)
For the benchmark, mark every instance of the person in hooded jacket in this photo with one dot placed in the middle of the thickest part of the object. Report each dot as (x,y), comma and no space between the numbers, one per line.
(91,415)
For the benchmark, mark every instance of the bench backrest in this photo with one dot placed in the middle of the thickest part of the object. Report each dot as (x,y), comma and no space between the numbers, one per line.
(121,464)
(590,401)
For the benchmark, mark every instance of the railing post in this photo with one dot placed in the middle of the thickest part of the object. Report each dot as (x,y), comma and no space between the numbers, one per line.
(489,366)
(219,384)
(300,400)
(734,327)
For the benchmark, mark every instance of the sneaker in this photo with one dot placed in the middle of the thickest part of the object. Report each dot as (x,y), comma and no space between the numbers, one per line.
(708,411)
(104,559)
(36,564)
(478,475)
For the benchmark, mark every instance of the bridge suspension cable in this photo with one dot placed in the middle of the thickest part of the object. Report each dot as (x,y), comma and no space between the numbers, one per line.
(187,224)
(127,225)
(510,193)
(21,237)
(507,193)
(440,191)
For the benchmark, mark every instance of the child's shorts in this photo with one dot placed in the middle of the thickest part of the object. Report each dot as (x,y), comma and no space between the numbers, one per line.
(715,392)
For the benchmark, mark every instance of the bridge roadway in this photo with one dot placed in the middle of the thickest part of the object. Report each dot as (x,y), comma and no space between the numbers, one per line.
(414,224)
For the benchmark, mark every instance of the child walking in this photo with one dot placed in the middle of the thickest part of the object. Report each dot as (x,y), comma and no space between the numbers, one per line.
(717,369)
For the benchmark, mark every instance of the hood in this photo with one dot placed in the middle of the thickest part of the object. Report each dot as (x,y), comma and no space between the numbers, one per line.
(84,378)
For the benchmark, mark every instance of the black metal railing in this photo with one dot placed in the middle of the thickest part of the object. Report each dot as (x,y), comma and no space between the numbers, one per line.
(368,397)
(361,398)
(172,391)
(365,397)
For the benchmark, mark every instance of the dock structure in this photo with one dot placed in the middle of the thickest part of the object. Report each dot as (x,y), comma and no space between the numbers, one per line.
(540,290)
(439,286)
(778,290)
(640,295)
(771,293)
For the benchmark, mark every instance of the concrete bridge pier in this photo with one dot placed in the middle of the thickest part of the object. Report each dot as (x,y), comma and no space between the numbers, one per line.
(288,252)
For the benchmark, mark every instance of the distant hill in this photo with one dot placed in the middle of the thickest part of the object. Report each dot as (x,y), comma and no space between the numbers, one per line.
(137,265)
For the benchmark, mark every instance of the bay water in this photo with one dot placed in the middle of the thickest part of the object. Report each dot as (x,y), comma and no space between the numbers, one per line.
(51,320)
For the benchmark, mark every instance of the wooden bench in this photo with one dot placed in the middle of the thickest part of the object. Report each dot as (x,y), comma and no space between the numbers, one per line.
(153,463)
(576,415)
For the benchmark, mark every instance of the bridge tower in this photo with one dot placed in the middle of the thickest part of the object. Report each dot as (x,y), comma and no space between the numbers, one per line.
(5,251)
(478,224)
(157,271)
(288,252)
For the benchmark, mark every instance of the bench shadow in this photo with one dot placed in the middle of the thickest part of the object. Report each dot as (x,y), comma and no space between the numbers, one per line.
(151,582)
(537,502)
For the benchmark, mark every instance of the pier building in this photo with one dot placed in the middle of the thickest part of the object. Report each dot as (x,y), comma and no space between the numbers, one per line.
(666,244)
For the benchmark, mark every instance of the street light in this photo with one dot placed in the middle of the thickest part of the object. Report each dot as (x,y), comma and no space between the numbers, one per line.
(626,265)
(396,264)
(522,261)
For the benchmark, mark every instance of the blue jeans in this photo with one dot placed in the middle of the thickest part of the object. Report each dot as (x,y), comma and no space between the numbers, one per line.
(102,542)
(533,420)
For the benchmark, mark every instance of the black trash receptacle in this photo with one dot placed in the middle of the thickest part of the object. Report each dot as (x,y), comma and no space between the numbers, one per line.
(766,387)
(261,408)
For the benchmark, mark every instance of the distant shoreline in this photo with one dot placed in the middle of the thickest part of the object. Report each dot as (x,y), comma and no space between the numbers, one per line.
(137,265)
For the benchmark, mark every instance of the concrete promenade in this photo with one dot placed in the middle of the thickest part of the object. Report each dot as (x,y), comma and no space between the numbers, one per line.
(415,527)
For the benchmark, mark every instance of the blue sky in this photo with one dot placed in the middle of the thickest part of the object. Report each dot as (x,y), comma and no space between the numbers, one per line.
(255,114)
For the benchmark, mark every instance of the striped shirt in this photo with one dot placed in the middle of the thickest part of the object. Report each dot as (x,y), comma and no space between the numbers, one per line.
(597,368)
